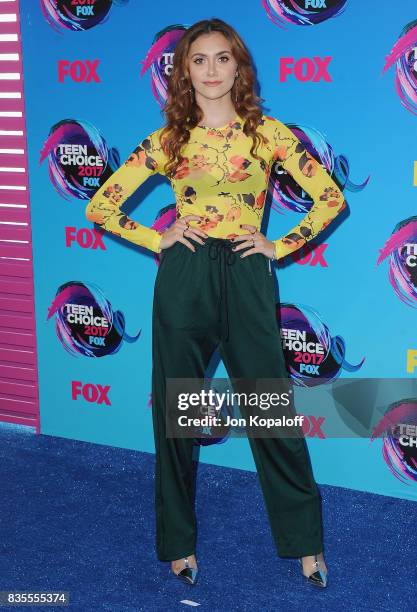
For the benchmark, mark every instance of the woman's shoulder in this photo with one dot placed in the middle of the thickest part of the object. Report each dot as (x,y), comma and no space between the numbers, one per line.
(269,122)
(151,143)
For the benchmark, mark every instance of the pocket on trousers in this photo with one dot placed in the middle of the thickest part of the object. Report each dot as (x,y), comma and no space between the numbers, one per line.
(164,260)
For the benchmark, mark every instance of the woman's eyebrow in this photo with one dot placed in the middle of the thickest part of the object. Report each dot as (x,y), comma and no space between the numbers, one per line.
(219,53)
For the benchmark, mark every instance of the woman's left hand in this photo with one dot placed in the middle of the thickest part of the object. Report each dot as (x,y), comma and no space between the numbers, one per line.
(257,240)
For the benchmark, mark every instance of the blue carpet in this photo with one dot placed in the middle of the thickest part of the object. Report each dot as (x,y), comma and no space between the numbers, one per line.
(79,517)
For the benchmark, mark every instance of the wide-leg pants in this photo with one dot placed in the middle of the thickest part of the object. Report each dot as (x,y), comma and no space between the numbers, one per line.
(210,299)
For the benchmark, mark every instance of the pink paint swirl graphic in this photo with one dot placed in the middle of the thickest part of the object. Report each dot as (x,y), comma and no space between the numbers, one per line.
(305,13)
(164,219)
(404,56)
(159,60)
(401,248)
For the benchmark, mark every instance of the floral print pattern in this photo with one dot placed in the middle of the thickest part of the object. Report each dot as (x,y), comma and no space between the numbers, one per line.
(222,182)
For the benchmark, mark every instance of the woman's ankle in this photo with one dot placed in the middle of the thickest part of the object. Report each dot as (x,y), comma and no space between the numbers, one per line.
(180,563)
(308,561)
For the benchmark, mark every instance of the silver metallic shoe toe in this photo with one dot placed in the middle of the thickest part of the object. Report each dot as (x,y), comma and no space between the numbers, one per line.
(318,577)
(187,574)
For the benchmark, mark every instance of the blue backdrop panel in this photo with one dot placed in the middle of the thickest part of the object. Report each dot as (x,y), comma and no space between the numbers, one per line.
(86,96)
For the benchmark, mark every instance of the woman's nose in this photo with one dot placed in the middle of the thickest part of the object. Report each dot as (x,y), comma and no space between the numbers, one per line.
(211,69)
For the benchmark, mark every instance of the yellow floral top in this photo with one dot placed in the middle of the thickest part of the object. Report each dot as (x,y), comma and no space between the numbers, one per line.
(221,181)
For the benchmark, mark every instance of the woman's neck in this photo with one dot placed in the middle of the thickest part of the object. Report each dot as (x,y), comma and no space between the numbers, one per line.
(216,112)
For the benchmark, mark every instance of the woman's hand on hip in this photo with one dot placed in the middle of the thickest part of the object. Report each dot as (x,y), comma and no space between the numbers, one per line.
(178,231)
(256,240)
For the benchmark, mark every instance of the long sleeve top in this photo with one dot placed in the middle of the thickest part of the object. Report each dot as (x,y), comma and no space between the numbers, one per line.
(222,182)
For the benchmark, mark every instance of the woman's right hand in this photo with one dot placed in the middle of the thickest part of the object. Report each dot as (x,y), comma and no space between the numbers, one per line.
(180,229)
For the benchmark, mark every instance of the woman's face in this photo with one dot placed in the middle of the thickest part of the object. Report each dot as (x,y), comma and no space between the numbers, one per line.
(210,60)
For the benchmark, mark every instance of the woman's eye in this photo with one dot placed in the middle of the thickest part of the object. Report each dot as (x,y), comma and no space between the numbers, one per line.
(198,60)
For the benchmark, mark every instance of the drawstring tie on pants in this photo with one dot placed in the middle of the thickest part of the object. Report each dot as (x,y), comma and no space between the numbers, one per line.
(223,250)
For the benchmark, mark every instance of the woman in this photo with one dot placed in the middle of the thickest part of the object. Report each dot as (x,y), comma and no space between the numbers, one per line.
(217,149)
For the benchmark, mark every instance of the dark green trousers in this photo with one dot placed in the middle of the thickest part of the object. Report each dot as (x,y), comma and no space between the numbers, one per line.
(214,299)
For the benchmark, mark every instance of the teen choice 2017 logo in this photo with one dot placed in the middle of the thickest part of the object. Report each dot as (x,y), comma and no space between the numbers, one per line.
(313,355)
(85,321)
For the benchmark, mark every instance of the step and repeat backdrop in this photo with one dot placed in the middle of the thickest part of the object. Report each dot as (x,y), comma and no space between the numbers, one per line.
(343,75)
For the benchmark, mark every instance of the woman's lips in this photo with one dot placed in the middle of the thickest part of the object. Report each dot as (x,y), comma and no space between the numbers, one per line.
(211,83)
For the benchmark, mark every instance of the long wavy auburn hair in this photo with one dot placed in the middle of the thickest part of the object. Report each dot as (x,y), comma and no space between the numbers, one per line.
(181,110)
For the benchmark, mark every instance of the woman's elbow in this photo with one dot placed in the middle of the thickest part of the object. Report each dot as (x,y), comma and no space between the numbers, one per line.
(89,211)
(337,202)
(342,205)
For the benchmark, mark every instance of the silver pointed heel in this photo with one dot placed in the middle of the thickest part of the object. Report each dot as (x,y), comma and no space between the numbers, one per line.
(319,575)
(188,574)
